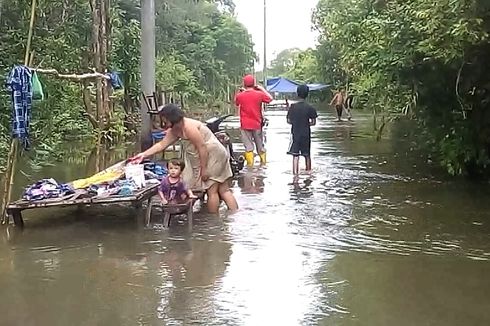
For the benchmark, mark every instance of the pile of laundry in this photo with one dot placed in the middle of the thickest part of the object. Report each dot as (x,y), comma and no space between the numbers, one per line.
(47,189)
(109,182)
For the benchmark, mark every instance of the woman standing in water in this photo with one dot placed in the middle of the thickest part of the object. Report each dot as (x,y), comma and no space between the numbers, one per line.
(208,159)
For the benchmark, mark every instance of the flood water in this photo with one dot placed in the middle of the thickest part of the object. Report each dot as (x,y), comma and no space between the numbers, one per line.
(371,238)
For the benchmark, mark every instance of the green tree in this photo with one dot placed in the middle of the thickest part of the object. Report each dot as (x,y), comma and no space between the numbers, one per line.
(305,67)
(283,62)
(422,57)
(201,48)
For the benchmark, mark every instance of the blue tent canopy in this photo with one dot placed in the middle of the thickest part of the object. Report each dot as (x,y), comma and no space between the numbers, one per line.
(281,85)
(284,85)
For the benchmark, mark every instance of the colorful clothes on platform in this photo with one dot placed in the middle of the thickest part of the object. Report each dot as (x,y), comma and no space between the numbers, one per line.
(47,189)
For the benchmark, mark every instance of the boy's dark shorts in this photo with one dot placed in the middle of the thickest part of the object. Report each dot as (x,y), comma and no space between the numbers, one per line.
(339,109)
(300,146)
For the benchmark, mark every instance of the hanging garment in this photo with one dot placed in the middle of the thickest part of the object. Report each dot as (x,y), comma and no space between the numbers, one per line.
(115,80)
(37,88)
(19,83)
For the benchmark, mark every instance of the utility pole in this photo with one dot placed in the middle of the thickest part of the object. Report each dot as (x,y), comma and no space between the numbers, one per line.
(265,44)
(147,67)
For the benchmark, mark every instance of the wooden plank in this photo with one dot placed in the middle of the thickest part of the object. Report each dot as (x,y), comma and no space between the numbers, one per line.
(47,203)
(73,199)
(15,209)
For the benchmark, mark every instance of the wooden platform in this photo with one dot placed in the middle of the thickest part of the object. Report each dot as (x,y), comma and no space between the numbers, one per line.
(14,209)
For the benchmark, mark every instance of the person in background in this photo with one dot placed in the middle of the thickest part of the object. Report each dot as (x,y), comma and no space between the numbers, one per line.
(172,189)
(208,160)
(338,102)
(301,116)
(348,106)
(249,105)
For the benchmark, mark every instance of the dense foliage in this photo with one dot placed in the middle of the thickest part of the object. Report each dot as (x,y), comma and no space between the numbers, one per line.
(426,59)
(297,65)
(202,52)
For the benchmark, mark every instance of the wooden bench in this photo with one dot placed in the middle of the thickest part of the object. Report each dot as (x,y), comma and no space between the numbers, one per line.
(171,210)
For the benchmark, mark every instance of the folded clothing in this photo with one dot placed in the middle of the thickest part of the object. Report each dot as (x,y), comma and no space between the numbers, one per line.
(105,183)
(47,189)
(118,187)
(101,177)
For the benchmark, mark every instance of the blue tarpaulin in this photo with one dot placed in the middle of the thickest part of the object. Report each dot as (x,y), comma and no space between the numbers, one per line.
(284,85)
(281,85)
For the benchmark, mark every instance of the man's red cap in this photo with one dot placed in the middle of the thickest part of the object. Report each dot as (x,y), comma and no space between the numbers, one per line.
(249,81)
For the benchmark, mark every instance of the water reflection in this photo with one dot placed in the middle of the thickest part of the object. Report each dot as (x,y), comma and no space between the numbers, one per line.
(251,182)
(115,274)
(301,189)
(364,240)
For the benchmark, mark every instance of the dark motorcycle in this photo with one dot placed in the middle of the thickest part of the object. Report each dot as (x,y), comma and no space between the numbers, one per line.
(236,161)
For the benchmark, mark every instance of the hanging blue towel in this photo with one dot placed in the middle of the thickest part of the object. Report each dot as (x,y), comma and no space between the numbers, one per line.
(115,80)
(19,83)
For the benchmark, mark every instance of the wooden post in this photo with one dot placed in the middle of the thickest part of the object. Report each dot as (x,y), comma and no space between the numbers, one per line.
(31,29)
(14,145)
(149,206)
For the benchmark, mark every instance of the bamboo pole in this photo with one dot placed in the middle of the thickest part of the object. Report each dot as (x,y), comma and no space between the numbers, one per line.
(14,144)
(31,30)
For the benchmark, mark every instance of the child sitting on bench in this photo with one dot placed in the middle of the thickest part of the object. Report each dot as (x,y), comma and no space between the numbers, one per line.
(172,189)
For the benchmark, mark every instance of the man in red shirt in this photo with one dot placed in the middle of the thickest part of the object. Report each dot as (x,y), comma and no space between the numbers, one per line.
(249,103)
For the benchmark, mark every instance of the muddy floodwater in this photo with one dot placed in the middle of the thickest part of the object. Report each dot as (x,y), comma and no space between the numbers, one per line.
(373,237)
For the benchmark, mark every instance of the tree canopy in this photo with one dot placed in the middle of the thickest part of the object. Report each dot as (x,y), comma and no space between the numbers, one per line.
(201,51)
(427,59)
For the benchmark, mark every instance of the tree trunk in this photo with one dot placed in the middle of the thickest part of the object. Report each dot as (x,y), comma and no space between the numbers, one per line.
(96,60)
(103,41)
(99,51)
(89,108)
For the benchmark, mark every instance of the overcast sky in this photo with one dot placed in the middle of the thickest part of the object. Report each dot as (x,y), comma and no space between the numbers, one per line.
(288,24)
